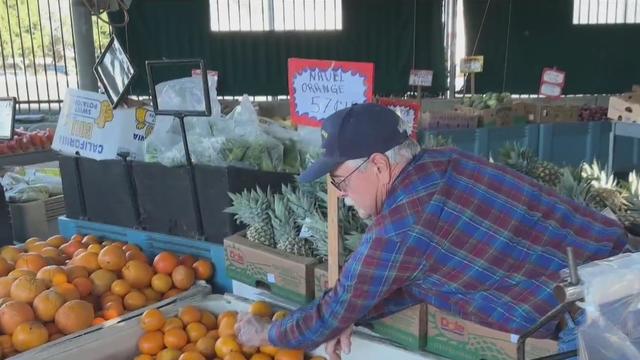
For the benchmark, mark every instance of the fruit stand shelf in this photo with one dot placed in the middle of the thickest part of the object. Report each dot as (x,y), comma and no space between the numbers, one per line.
(625,129)
(29,158)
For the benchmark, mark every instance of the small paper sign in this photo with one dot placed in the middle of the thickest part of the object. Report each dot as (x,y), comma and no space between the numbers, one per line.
(198,72)
(472,64)
(318,88)
(420,77)
(7,117)
(408,111)
(552,82)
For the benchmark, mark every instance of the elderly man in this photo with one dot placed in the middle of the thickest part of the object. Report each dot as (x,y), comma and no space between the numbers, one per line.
(449,228)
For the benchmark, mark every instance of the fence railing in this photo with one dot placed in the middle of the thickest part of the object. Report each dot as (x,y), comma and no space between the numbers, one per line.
(37,50)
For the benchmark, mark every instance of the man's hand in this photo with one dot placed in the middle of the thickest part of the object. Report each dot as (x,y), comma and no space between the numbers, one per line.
(252,330)
(341,344)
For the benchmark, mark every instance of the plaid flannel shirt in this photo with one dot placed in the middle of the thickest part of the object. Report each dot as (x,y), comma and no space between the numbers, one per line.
(470,237)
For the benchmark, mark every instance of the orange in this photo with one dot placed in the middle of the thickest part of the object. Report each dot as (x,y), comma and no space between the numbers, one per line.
(191,355)
(175,338)
(206,346)
(248,350)
(269,350)
(74,272)
(87,259)
(47,303)
(13,314)
(112,310)
(10,253)
(138,274)
(30,243)
(112,258)
(5,267)
(261,356)
(69,291)
(39,246)
(261,308)
(98,321)
(209,320)
(135,300)
(234,356)
(95,248)
(183,277)
(152,320)
(172,323)
(31,261)
(89,239)
(222,315)
(52,328)
(17,273)
(171,293)
(161,283)
(280,315)
(136,255)
(165,262)
(52,275)
(189,347)
(26,288)
(151,295)
(102,280)
(196,331)
(189,314)
(120,287)
(56,241)
(143,357)
(169,354)
(213,334)
(151,343)
(74,316)
(203,269)
(83,285)
(76,238)
(227,326)
(5,286)
(70,248)
(225,345)
(29,335)
(187,260)
(289,354)
(128,247)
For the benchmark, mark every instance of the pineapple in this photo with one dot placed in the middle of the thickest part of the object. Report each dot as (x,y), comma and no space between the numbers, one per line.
(285,229)
(632,187)
(573,187)
(605,192)
(522,160)
(252,208)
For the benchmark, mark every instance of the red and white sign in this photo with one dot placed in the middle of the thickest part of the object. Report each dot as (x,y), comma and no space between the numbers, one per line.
(552,82)
(408,111)
(198,72)
(318,88)
(420,77)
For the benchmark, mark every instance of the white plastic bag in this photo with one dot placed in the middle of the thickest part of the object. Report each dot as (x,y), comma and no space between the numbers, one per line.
(612,307)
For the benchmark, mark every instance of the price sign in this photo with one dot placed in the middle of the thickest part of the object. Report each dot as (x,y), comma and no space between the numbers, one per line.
(408,111)
(7,117)
(420,77)
(472,64)
(318,88)
(552,82)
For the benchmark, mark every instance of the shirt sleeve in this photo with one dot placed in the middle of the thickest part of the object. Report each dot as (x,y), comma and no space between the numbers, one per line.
(397,301)
(379,267)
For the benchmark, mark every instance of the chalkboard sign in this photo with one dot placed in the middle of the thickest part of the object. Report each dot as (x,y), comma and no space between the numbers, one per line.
(7,117)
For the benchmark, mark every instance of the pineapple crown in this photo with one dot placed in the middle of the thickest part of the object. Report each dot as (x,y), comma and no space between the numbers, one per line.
(598,178)
(250,207)
(282,220)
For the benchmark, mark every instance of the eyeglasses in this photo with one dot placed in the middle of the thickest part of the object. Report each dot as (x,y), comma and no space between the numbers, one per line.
(338,185)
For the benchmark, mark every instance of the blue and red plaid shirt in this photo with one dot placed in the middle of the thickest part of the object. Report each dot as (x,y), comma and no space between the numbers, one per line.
(470,237)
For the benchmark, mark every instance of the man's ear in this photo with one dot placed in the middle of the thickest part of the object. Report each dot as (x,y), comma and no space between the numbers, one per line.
(381,164)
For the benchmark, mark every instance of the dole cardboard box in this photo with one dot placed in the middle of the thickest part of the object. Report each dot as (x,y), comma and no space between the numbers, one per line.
(90,126)
(284,275)
(407,327)
(458,339)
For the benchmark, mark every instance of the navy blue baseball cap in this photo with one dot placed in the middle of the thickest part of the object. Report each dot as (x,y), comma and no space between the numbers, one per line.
(353,133)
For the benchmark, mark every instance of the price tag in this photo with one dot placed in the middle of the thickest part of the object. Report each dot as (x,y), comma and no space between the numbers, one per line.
(420,77)
(472,64)
(318,88)
(7,117)
(552,82)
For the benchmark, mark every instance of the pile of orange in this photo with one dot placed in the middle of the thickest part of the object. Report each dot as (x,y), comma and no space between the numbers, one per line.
(52,288)
(197,334)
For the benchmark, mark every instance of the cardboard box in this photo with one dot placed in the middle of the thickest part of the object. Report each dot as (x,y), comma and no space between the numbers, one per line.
(448,120)
(407,328)
(625,107)
(526,111)
(458,339)
(284,275)
(498,117)
(559,113)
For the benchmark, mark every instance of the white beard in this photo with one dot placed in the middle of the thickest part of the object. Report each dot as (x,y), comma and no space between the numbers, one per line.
(361,213)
